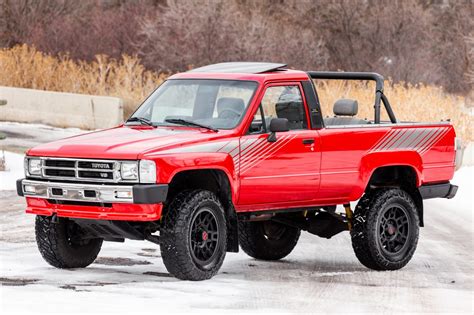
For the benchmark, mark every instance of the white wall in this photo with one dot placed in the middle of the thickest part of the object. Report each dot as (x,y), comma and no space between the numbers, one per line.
(60,109)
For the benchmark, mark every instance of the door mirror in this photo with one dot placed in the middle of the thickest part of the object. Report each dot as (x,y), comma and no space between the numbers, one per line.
(277,125)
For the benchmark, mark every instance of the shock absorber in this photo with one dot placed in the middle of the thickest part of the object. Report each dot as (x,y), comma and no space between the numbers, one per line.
(347,207)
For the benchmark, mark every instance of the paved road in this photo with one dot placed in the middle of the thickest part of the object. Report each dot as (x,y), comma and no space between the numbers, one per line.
(319,276)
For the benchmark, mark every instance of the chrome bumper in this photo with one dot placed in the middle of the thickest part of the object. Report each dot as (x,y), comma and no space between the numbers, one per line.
(140,194)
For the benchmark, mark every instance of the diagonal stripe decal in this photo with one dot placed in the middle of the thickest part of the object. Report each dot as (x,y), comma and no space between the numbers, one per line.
(420,140)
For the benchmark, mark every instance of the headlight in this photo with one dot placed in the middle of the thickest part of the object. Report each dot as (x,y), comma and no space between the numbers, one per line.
(129,170)
(33,166)
(147,171)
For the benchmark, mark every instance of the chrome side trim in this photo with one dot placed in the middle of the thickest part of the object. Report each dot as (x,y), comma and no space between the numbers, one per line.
(75,192)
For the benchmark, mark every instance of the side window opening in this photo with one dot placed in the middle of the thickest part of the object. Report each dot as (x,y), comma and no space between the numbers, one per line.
(280,102)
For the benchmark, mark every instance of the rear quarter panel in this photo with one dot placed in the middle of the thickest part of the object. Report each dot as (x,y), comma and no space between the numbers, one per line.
(351,154)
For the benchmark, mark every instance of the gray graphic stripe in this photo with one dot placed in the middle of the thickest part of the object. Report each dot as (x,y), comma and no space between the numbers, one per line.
(382,140)
(261,143)
(262,151)
(420,135)
(410,138)
(394,139)
(434,140)
(397,144)
(251,147)
(267,153)
(432,132)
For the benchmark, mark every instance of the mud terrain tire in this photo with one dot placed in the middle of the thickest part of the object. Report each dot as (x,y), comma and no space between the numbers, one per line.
(193,235)
(59,245)
(385,229)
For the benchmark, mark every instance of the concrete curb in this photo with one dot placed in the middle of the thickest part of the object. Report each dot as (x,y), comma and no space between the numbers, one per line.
(60,109)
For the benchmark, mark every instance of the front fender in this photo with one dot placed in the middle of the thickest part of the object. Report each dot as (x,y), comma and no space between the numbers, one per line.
(170,165)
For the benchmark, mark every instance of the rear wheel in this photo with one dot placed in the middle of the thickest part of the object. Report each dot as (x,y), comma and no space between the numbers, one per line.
(63,244)
(385,229)
(193,235)
(267,240)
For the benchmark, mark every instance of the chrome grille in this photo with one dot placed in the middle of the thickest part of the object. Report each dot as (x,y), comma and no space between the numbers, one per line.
(80,170)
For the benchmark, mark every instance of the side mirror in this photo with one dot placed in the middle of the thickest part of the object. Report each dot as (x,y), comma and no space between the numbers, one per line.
(3,102)
(277,125)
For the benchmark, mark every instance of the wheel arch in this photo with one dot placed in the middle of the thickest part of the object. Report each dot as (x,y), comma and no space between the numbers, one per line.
(217,181)
(402,176)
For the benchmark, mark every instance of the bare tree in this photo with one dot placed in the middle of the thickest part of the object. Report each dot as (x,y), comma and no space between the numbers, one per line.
(19,18)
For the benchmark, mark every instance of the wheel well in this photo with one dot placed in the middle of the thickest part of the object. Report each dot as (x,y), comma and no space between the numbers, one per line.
(217,182)
(400,176)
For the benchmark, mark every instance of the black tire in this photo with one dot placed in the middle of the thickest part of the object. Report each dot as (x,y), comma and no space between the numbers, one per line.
(61,246)
(267,240)
(385,229)
(193,235)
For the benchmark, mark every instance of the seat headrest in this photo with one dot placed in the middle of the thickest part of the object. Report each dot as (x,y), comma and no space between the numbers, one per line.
(345,107)
(232,104)
(290,106)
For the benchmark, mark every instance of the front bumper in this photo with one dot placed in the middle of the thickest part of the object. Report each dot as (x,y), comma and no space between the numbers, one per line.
(138,194)
(91,201)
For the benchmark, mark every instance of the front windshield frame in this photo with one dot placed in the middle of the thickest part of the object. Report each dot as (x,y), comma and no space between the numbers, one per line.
(149,100)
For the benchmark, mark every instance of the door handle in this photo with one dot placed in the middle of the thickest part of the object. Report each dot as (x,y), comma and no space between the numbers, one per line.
(308,141)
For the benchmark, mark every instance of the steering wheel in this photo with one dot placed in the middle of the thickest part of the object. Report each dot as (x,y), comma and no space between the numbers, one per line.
(229,113)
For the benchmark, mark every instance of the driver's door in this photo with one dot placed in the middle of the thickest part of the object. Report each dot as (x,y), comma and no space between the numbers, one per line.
(287,170)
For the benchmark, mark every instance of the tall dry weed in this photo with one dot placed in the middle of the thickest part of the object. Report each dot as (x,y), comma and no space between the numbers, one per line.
(26,67)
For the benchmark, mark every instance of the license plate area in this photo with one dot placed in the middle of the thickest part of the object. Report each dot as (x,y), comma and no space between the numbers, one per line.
(90,193)
(56,191)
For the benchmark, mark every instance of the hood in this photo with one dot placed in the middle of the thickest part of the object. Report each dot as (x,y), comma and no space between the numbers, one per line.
(124,142)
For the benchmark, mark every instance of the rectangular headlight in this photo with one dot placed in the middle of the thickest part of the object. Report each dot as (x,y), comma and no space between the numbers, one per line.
(129,170)
(147,171)
(33,166)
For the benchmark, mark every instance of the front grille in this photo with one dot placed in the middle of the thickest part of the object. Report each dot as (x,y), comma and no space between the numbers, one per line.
(72,169)
(95,174)
(59,163)
(59,172)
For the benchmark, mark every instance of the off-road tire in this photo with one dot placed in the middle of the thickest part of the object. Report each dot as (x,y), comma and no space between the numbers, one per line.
(254,241)
(176,235)
(57,247)
(367,228)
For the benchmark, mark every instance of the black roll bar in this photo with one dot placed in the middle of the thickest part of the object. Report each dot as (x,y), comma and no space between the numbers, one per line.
(369,76)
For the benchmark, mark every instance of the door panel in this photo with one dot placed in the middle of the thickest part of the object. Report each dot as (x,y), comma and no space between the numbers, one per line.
(282,171)
(287,170)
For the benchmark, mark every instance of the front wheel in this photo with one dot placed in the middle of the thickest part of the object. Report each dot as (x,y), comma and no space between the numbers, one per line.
(193,235)
(385,229)
(63,244)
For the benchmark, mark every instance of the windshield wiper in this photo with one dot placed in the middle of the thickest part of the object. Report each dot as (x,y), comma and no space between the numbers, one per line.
(142,120)
(185,122)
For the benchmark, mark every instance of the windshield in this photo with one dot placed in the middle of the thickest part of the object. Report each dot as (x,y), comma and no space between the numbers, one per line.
(218,104)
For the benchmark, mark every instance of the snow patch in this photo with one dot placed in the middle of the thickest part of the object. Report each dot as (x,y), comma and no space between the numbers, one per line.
(14,170)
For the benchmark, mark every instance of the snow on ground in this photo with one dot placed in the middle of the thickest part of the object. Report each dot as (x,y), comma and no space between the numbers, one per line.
(318,276)
(14,170)
(23,136)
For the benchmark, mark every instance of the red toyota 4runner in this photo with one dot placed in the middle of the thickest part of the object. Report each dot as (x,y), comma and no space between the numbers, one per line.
(240,154)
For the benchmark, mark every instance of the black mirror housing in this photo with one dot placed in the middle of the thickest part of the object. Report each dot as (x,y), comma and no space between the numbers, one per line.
(277,125)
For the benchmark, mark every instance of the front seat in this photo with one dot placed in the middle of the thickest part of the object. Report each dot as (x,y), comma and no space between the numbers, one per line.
(344,111)
(291,107)
(230,107)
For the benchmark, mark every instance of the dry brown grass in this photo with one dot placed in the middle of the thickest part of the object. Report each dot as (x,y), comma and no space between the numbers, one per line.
(419,102)
(127,78)
(23,66)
